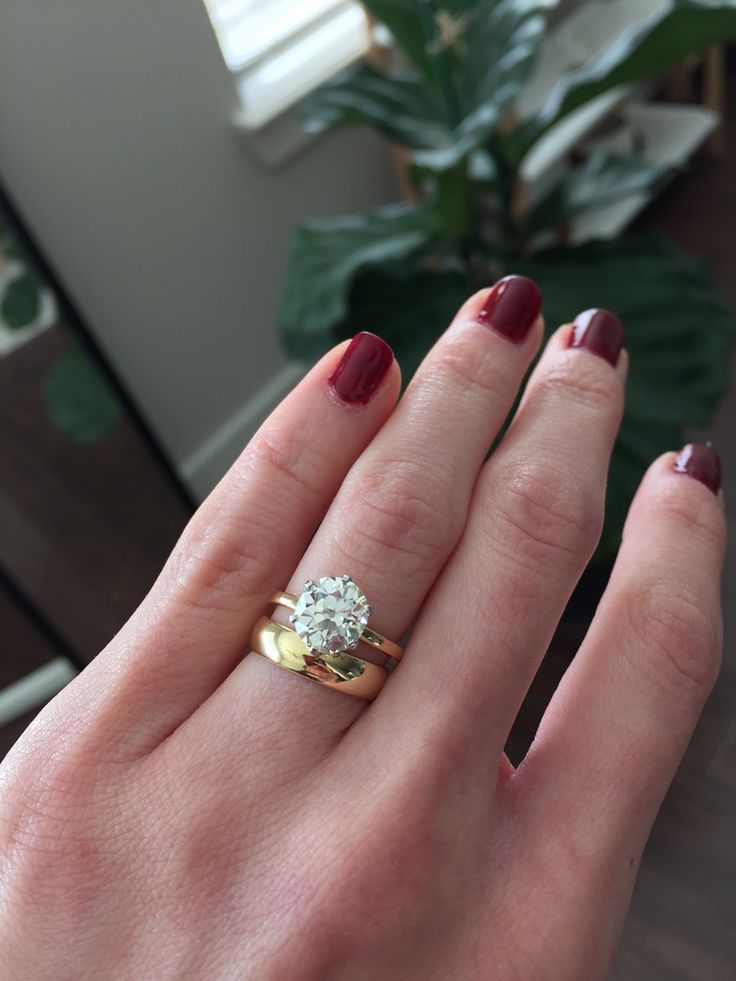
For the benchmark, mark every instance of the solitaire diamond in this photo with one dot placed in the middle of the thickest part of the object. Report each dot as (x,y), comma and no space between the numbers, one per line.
(331,614)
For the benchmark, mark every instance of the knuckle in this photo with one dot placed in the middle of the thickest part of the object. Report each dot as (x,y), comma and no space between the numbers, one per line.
(286,455)
(457,362)
(548,517)
(217,568)
(230,549)
(48,806)
(583,380)
(694,513)
(399,509)
(677,639)
(385,874)
(54,857)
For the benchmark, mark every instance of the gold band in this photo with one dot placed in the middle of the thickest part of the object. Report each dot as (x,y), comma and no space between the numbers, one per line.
(343,672)
(381,643)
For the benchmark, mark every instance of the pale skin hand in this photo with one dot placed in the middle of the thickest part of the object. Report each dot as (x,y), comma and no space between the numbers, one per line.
(181,812)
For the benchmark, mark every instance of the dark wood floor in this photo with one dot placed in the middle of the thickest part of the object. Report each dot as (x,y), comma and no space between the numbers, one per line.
(85,531)
(90,522)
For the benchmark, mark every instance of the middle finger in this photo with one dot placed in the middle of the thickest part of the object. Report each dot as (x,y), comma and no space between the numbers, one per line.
(533,526)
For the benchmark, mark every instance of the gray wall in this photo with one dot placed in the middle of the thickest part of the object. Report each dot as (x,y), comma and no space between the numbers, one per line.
(116,145)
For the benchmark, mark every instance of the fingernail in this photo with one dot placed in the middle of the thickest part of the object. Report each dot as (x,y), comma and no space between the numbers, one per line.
(362,368)
(701,462)
(600,332)
(511,307)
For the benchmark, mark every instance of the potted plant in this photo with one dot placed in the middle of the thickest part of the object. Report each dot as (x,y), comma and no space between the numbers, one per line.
(448,103)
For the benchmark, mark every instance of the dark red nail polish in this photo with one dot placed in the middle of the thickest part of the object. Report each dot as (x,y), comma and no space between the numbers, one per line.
(600,332)
(701,462)
(511,307)
(361,369)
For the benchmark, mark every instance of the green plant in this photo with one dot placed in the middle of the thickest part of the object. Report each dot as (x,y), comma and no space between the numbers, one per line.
(404,270)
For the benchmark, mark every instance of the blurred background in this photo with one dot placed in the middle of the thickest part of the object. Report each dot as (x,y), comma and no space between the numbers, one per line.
(197,198)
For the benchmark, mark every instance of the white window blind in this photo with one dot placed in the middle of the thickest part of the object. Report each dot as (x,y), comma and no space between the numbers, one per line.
(279,50)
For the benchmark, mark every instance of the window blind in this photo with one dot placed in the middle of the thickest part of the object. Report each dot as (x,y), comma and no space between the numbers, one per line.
(278,50)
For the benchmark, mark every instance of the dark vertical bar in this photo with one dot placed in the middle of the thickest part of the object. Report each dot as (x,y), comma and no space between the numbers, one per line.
(39,620)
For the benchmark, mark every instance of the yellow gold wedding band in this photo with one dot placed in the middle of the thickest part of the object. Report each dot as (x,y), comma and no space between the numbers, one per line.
(343,672)
(372,637)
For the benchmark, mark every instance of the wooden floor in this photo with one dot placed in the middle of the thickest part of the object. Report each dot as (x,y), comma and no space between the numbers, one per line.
(84,530)
(97,524)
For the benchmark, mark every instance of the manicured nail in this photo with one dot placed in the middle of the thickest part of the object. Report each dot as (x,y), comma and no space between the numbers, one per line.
(701,462)
(511,307)
(362,368)
(600,332)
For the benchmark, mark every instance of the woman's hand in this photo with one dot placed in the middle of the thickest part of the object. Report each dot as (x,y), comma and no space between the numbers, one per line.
(180,811)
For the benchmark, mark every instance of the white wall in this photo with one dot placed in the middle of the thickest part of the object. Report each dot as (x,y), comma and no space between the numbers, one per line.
(116,146)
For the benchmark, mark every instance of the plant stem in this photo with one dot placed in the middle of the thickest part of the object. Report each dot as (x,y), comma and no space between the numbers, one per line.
(506,181)
(438,58)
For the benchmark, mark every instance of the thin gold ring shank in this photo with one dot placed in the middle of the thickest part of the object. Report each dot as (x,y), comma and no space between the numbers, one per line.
(343,672)
(372,637)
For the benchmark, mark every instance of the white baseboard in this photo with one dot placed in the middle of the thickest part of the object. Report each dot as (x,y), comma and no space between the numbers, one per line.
(203,468)
(35,689)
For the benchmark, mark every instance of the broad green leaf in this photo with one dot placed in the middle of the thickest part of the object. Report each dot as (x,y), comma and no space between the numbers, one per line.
(474,59)
(403,18)
(418,25)
(679,335)
(499,51)
(408,311)
(21,301)
(681,28)
(326,255)
(9,247)
(408,308)
(399,106)
(489,70)
(601,179)
(9,244)
(79,400)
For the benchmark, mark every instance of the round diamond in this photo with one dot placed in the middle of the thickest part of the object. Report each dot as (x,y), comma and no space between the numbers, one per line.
(331,614)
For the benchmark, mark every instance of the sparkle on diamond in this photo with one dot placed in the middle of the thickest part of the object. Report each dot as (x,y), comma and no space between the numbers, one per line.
(331,614)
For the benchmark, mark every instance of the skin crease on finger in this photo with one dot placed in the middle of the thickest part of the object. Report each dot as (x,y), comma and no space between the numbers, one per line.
(401,848)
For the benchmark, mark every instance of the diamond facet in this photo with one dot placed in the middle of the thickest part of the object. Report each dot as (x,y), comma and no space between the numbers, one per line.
(331,614)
